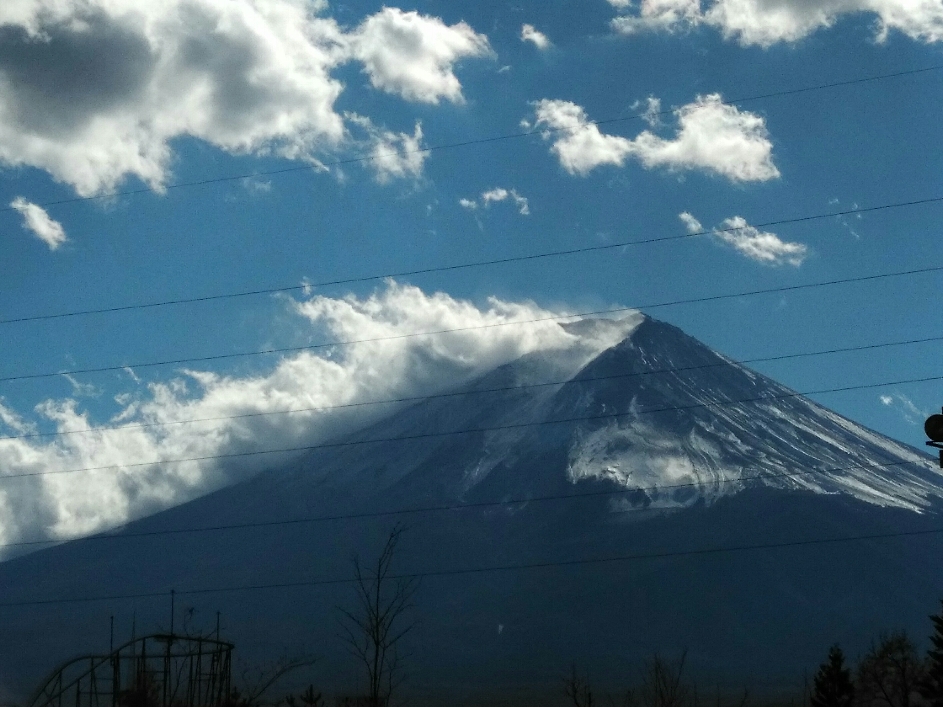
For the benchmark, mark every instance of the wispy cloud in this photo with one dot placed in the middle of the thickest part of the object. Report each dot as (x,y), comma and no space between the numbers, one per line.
(498,194)
(907,408)
(762,246)
(690,223)
(530,34)
(392,155)
(39,223)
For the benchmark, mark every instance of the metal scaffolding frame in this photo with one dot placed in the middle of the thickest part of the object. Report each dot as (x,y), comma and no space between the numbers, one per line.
(160,670)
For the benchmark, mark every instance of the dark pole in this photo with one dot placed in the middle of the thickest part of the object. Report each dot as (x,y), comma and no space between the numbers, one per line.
(934,429)
(173,592)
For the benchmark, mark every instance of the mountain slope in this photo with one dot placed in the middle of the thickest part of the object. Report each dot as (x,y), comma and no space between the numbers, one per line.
(631,441)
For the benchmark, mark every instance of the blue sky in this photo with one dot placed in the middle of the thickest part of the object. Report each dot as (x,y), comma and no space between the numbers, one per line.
(102,98)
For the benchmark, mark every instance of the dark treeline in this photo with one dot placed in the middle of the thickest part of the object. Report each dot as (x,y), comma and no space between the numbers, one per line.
(892,673)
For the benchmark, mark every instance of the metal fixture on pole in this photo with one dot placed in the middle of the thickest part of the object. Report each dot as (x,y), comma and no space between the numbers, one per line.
(934,429)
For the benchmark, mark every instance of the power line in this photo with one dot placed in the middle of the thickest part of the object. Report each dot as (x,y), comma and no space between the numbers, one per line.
(463,266)
(476,391)
(515,567)
(496,428)
(479,141)
(477,327)
(106,535)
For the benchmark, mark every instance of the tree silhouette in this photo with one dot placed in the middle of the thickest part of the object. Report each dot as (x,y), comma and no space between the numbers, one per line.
(832,686)
(888,676)
(374,630)
(577,689)
(931,687)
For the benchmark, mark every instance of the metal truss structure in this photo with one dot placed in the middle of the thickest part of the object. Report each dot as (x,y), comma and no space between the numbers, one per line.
(160,670)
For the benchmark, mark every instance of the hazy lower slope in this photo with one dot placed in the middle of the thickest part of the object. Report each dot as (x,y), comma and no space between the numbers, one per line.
(638,440)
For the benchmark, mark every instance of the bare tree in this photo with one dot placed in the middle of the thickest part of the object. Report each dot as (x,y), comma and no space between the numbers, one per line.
(577,689)
(257,681)
(890,674)
(375,628)
(662,685)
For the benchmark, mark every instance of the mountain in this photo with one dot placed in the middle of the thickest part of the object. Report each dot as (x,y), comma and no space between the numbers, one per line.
(633,489)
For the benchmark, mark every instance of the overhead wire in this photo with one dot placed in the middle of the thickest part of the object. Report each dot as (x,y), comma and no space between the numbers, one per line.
(447,507)
(518,566)
(509,567)
(479,141)
(470,392)
(476,430)
(305,287)
(478,327)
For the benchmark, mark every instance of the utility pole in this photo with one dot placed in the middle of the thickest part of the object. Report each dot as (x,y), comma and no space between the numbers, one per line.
(934,429)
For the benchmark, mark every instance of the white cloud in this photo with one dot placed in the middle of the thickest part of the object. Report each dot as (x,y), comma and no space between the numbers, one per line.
(663,15)
(38,222)
(496,195)
(578,143)
(95,92)
(761,246)
(906,407)
(392,155)
(384,365)
(256,185)
(81,390)
(14,422)
(412,55)
(652,112)
(690,223)
(711,137)
(768,22)
(501,194)
(530,34)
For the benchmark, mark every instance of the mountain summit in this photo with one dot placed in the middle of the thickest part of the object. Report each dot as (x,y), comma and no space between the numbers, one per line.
(658,497)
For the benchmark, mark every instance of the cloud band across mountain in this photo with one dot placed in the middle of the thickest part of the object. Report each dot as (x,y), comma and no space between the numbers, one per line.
(235,413)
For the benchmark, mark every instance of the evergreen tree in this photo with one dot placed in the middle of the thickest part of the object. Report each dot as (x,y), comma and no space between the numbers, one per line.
(833,686)
(931,688)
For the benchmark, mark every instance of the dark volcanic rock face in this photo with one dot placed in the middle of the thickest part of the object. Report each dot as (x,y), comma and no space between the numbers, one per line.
(691,531)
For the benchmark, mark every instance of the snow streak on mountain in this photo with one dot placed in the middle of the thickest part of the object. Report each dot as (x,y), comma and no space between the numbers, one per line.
(659,415)
(773,438)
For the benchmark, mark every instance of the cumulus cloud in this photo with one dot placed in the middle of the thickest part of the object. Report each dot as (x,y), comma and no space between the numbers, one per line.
(761,246)
(95,92)
(578,143)
(39,223)
(496,195)
(711,137)
(413,55)
(530,34)
(764,23)
(384,365)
